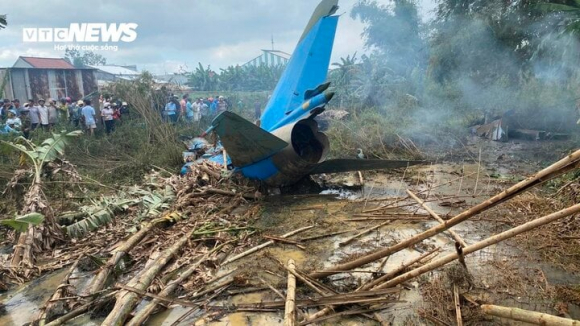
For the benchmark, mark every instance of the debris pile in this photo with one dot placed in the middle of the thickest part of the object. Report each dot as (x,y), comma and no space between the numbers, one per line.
(180,241)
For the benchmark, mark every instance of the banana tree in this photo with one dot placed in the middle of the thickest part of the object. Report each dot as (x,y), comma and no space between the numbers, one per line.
(36,158)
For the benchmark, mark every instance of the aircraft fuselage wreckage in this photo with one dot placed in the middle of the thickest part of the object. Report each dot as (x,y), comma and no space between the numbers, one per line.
(287,145)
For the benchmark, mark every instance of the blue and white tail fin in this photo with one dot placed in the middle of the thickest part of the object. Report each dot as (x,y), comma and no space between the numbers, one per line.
(308,66)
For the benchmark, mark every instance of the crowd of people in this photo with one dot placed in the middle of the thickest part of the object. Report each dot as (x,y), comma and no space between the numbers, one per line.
(193,110)
(45,115)
(18,118)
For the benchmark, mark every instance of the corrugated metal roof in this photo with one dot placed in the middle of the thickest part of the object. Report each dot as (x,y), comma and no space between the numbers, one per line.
(48,63)
(117,70)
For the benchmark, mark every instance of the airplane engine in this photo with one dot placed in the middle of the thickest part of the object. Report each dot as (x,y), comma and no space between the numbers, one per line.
(306,148)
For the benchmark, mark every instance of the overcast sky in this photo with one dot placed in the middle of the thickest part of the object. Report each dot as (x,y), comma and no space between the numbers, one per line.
(180,33)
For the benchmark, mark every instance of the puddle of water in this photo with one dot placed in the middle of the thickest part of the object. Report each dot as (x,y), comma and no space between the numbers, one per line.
(21,305)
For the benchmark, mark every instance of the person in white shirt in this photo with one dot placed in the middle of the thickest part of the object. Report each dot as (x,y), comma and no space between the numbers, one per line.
(52,113)
(43,115)
(107,114)
(197,109)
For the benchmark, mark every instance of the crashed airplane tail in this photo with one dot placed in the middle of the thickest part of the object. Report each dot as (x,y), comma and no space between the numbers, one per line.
(287,145)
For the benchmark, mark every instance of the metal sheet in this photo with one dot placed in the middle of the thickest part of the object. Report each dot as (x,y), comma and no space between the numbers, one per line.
(19,84)
(60,84)
(89,82)
(72,87)
(39,87)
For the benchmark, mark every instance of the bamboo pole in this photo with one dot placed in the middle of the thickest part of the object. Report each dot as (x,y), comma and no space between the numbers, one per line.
(361,233)
(457,306)
(482,244)
(290,309)
(264,245)
(527,316)
(142,315)
(127,300)
(566,164)
(437,217)
(98,283)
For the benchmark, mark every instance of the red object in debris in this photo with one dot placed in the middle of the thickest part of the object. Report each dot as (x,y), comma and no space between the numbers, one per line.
(48,63)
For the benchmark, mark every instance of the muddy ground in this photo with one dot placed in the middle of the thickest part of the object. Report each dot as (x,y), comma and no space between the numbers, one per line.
(514,273)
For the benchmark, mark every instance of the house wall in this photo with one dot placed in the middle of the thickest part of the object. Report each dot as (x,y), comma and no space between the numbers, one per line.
(50,83)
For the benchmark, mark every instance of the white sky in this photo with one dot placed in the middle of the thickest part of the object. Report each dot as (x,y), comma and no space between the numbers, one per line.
(178,34)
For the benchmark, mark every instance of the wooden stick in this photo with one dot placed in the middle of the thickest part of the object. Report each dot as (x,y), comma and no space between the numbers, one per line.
(264,245)
(363,232)
(316,237)
(390,214)
(398,270)
(437,217)
(527,316)
(482,244)
(457,305)
(290,309)
(278,239)
(566,164)
(402,219)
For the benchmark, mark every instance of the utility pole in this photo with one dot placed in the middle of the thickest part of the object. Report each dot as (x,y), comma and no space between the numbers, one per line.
(272,42)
